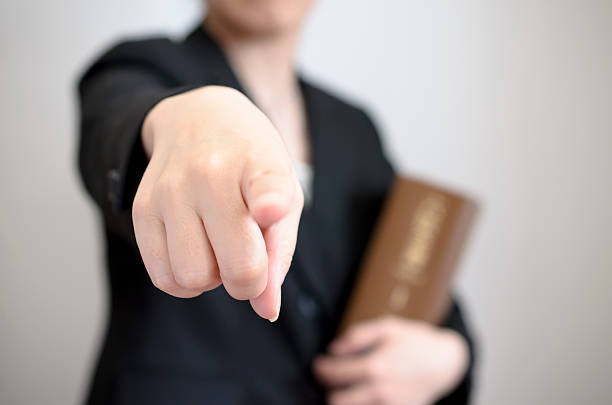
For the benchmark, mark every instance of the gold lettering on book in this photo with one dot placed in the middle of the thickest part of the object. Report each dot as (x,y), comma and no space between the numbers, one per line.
(424,228)
(399,297)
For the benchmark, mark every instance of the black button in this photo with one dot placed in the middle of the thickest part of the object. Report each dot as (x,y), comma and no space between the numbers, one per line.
(308,306)
(113,185)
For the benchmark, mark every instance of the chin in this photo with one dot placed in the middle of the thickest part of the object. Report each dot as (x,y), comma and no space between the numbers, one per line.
(260,16)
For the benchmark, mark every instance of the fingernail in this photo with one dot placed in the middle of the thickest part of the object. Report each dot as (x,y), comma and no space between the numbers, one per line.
(278,305)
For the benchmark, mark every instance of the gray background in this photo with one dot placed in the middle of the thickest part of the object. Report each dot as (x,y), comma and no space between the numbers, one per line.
(510,100)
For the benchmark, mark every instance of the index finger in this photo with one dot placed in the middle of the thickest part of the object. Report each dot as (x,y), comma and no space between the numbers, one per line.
(280,239)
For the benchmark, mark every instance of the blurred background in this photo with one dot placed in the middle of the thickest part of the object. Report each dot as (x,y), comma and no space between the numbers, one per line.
(508,100)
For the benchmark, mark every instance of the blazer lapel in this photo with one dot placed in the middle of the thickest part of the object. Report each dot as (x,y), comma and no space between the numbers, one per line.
(314,250)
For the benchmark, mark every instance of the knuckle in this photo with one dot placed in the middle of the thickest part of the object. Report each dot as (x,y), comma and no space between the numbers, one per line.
(201,166)
(174,195)
(216,161)
(171,186)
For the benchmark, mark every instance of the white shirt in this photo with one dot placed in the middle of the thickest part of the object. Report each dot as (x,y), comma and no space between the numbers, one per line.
(305,174)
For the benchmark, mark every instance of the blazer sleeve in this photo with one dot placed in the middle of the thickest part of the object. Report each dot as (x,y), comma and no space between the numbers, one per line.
(115,95)
(454,319)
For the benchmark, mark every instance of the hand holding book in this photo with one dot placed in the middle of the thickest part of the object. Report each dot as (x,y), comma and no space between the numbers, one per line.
(389,349)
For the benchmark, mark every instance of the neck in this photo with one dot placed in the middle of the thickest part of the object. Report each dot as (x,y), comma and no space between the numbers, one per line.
(263,63)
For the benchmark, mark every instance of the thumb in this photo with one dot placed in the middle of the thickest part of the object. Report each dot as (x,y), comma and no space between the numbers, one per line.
(361,337)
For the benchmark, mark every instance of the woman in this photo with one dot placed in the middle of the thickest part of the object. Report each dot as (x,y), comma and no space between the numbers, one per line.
(201,186)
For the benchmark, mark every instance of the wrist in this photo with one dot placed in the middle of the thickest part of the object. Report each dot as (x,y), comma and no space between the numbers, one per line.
(162,118)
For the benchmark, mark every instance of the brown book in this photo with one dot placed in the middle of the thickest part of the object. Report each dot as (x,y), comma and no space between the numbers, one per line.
(409,263)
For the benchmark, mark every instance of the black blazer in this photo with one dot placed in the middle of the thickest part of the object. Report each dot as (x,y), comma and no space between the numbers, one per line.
(213,349)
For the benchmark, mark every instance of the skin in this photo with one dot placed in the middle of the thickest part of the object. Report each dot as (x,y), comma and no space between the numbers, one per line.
(219,204)
(219,201)
(215,209)
(392,361)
